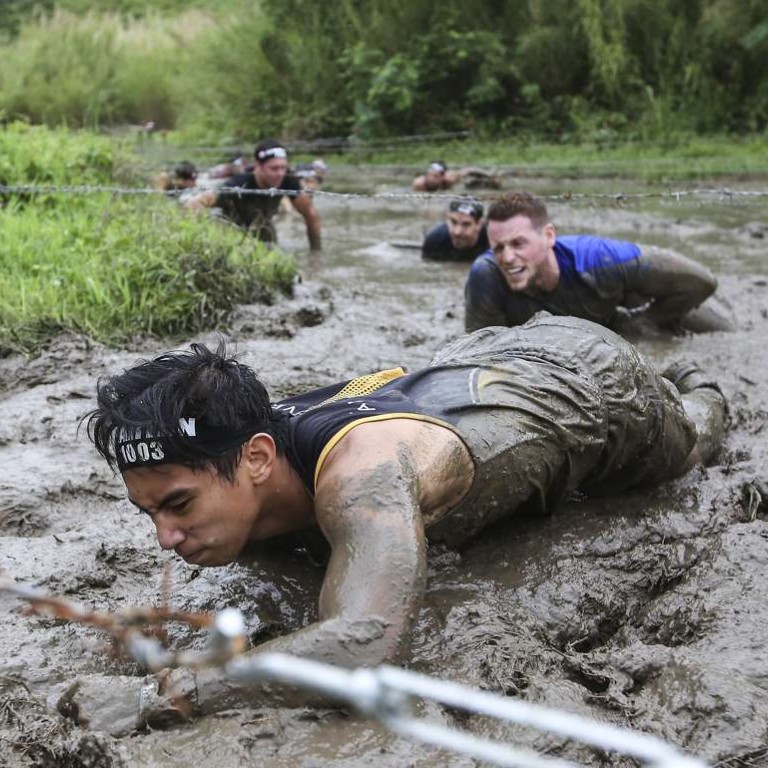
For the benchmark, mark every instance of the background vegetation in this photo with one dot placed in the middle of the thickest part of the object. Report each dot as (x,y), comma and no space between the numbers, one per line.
(112,267)
(370,68)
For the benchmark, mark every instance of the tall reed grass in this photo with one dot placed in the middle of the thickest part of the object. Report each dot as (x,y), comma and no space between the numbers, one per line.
(92,70)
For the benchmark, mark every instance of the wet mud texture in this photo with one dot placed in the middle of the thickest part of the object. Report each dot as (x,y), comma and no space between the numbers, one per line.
(645,610)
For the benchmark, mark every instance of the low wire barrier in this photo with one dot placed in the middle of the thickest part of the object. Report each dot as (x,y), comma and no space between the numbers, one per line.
(723,194)
(386,694)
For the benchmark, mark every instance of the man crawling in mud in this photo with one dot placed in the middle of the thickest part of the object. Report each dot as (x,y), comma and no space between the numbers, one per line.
(627,287)
(500,420)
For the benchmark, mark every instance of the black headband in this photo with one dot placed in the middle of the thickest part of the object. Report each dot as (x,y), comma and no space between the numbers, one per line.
(473,208)
(142,447)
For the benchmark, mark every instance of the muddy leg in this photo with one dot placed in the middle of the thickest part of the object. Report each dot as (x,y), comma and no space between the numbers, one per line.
(713,315)
(705,405)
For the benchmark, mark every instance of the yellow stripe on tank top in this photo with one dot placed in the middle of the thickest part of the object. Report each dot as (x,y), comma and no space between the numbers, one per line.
(331,444)
(364,385)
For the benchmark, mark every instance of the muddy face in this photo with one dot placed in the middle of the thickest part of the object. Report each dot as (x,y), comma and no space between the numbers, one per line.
(524,254)
(646,609)
(203,517)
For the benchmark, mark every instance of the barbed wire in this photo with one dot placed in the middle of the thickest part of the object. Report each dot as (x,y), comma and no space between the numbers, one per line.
(723,193)
(383,693)
(338,144)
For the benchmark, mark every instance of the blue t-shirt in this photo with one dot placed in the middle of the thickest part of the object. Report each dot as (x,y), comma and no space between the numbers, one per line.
(438,246)
(596,276)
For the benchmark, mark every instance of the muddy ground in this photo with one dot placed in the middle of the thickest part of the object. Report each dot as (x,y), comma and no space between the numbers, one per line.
(647,610)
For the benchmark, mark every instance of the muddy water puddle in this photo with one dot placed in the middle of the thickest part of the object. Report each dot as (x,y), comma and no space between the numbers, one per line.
(645,610)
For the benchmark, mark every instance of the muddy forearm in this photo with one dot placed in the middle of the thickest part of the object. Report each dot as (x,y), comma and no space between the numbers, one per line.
(205,199)
(337,641)
(372,589)
(314,230)
(674,284)
(481,314)
(303,204)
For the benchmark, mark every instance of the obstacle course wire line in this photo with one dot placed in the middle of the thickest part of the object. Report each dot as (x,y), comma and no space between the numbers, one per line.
(383,693)
(723,193)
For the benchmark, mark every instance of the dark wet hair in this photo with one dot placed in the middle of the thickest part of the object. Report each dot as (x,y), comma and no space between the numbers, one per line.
(519,204)
(185,170)
(266,150)
(156,394)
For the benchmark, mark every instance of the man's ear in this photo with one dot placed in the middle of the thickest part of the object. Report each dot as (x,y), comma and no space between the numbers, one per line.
(550,234)
(259,455)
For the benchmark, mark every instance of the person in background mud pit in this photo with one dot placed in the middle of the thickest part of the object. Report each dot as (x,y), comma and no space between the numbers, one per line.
(437,178)
(180,182)
(616,283)
(254,212)
(311,175)
(500,420)
(462,237)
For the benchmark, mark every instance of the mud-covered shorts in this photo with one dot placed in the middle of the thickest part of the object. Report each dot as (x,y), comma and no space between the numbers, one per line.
(564,404)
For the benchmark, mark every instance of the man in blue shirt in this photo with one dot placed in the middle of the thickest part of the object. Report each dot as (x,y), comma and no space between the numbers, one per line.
(612,282)
(462,237)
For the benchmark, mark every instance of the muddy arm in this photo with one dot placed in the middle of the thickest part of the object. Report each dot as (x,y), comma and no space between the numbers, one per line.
(372,589)
(304,205)
(205,199)
(486,297)
(674,283)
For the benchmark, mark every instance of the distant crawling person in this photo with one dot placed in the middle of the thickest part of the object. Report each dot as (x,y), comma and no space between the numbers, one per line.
(254,211)
(311,175)
(437,178)
(180,182)
(619,284)
(500,420)
(461,237)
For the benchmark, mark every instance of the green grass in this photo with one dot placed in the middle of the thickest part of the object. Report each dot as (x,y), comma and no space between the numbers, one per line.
(678,158)
(112,267)
(119,269)
(39,155)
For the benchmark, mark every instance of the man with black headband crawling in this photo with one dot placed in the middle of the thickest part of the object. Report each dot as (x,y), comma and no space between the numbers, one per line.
(253,211)
(500,420)
(462,237)
(619,284)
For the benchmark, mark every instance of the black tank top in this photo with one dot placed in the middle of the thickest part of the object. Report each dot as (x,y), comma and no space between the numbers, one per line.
(320,418)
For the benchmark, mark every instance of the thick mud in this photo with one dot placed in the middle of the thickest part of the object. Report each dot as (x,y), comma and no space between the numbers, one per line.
(645,610)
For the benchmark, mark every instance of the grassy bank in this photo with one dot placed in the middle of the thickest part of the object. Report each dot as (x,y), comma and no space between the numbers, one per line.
(109,267)
(681,157)
(676,158)
(124,269)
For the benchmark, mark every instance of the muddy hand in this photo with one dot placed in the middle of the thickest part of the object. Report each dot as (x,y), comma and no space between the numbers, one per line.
(121,705)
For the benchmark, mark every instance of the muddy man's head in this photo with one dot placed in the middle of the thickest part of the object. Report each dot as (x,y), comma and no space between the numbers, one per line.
(196,440)
(465,221)
(522,240)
